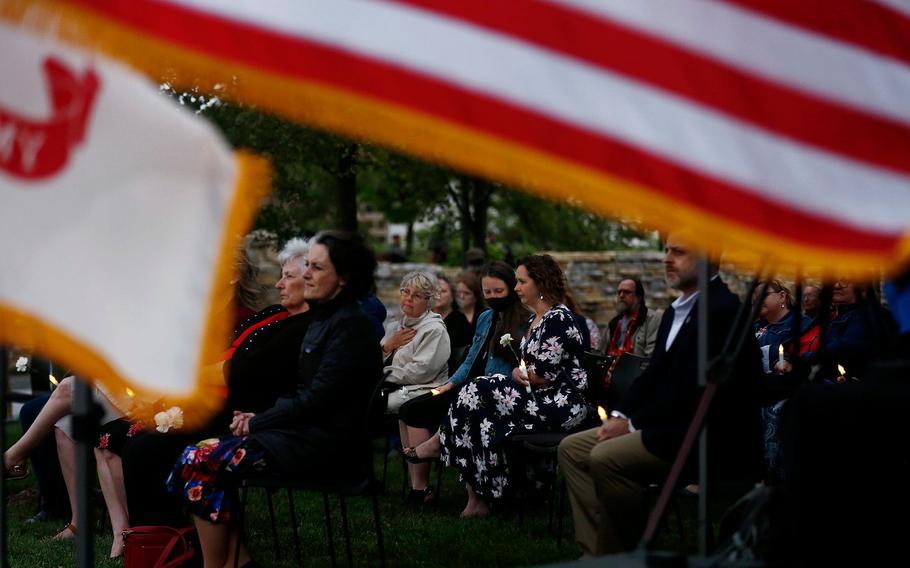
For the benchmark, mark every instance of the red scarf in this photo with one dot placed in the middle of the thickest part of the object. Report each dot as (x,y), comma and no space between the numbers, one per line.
(615,349)
(229,353)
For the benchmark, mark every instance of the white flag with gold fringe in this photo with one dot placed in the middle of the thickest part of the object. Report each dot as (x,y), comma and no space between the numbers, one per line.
(119,217)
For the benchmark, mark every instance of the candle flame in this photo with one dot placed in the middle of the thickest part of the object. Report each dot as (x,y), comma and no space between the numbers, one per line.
(601,412)
(841,370)
(53,380)
(434,392)
(130,393)
(780,349)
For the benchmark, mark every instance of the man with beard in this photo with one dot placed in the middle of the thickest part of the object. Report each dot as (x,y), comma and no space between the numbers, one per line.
(634,329)
(607,468)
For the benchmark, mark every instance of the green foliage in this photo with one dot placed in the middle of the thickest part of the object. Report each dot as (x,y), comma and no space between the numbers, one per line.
(307,164)
(532,223)
(405,189)
(316,176)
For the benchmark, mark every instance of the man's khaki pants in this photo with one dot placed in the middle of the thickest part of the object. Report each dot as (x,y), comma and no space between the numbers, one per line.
(606,482)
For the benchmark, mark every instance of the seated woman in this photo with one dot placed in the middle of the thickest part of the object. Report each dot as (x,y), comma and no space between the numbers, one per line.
(260,365)
(54,418)
(456,323)
(469,297)
(300,435)
(487,356)
(416,349)
(548,395)
(774,328)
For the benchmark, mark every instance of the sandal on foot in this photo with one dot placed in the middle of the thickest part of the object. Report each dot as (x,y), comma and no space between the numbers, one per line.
(17,471)
(410,454)
(69,527)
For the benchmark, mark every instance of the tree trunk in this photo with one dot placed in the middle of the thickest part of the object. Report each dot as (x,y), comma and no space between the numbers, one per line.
(481,200)
(409,241)
(347,188)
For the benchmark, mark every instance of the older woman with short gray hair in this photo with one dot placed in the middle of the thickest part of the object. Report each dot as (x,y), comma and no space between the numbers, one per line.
(417,350)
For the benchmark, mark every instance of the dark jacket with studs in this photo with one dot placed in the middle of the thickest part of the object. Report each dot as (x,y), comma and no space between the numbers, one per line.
(320,429)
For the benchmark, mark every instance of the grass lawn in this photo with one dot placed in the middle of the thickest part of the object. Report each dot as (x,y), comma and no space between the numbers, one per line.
(432,536)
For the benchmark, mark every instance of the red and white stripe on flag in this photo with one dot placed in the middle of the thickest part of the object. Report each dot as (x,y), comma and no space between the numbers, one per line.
(120,217)
(778,131)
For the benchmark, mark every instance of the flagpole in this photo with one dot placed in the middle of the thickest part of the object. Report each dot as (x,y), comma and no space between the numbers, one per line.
(3,515)
(702,332)
(84,426)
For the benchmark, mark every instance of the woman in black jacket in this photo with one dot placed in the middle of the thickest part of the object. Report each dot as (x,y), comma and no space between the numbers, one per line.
(299,435)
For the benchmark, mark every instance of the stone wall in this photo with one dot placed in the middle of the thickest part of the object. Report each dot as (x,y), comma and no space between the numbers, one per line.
(593,276)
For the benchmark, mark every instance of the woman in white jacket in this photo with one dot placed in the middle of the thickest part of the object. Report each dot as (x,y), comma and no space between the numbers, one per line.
(416,350)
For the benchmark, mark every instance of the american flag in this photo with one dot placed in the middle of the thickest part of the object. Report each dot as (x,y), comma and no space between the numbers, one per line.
(777,131)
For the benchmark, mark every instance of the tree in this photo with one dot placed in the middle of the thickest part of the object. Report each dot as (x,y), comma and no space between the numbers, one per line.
(406,190)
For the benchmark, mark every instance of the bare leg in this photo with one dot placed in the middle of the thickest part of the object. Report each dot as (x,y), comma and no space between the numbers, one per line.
(58,405)
(215,540)
(244,554)
(110,476)
(66,453)
(429,448)
(476,506)
(410,437)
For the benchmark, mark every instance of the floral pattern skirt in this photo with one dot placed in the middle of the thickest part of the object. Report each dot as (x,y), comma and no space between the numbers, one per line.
(488,411)
(114,435)
(208,475)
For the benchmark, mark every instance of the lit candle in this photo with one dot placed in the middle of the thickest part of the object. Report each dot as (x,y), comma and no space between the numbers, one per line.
(434,392)
(53,380)
(780,354)
(602,413)
(523,369)
(843,374)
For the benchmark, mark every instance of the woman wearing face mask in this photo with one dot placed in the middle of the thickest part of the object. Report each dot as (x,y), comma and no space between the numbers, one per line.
(487,356)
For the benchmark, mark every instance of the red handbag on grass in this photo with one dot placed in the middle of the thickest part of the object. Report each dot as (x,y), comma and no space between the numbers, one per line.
(158,547)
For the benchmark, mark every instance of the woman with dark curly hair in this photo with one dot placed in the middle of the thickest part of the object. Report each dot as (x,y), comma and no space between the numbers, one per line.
(544,393)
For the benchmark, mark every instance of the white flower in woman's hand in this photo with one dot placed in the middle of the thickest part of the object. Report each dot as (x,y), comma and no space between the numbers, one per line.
(22,364)
(506,341)
(170,418)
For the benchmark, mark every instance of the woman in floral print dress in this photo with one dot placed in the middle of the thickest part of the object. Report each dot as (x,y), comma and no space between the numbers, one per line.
(548,396)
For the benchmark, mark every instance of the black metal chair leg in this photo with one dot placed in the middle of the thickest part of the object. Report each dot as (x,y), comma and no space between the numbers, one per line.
(405,487)
(439,468)
(328,528)
(679,519)
(240,511)
(347,531)
(385,462)
(562,511)
(293,510)
(268,496)
(379,542)
(551,505)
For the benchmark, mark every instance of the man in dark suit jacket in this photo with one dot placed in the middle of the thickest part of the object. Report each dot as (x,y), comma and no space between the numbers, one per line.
(607,468)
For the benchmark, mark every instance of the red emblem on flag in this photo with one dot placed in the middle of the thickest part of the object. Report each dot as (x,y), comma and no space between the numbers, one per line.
(33,150)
